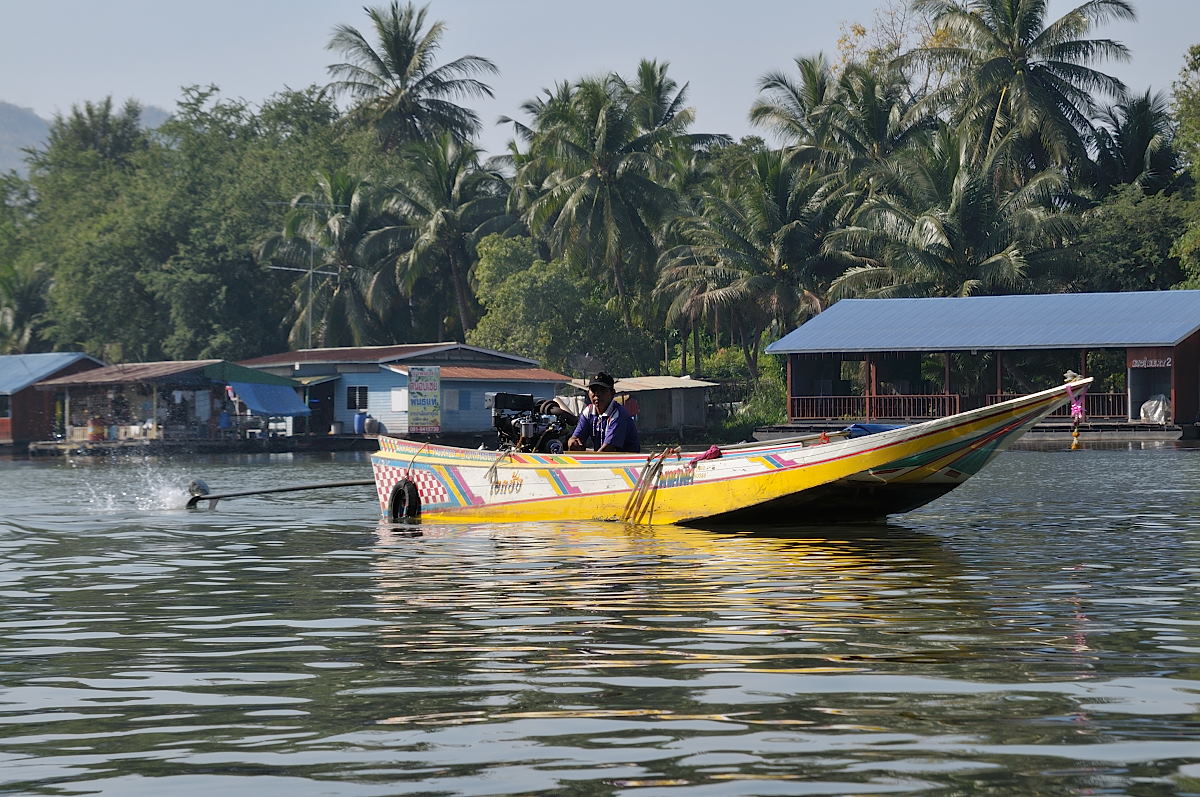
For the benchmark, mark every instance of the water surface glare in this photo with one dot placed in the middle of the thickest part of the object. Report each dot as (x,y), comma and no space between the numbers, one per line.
(1035,632)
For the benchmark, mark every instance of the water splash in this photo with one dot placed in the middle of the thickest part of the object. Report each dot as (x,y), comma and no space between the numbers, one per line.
(144,484)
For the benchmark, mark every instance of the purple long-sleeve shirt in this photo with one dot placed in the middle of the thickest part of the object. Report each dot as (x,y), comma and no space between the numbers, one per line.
(615,428)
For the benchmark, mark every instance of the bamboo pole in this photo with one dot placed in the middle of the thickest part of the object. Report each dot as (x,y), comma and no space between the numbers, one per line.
(214,497)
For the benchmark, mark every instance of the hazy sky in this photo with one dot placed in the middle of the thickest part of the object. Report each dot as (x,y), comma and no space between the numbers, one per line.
(55,54)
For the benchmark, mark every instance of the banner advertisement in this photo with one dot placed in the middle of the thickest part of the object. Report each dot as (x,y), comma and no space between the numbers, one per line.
(424,399)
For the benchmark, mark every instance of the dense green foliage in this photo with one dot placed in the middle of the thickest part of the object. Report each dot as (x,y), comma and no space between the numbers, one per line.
(611,233)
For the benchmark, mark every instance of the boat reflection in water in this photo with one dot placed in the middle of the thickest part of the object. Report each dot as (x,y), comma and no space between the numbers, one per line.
(592,598)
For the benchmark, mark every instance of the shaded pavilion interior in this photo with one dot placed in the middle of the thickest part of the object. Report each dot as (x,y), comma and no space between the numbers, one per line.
(168,400)
(915,359)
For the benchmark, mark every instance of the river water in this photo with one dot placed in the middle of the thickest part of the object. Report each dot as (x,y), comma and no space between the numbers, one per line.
(1036,632)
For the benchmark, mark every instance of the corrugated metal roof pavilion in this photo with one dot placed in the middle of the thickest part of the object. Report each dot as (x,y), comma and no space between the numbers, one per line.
(169,371)
(1043,321)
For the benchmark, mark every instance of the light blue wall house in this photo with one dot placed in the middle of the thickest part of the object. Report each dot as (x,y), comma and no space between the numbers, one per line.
(346,385)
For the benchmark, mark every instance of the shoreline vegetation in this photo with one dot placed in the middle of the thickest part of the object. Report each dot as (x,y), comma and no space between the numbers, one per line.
(977,148)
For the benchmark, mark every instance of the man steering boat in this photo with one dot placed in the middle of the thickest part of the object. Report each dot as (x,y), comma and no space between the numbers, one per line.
(604,424)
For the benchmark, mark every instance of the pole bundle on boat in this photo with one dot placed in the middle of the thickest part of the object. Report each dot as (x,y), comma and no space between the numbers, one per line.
(641,500)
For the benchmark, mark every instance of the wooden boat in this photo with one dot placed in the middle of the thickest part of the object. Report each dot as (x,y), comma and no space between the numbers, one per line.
(815,478)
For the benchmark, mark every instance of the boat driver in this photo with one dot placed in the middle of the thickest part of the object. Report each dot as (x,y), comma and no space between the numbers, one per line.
(604,424)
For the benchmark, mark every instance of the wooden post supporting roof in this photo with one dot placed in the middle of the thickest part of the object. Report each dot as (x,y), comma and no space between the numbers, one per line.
(870,387)
(790,386)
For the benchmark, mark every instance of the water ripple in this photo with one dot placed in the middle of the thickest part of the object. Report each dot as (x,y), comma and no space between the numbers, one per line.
(1034,632)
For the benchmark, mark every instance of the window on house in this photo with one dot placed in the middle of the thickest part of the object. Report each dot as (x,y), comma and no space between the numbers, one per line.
(5,407)
(356,397)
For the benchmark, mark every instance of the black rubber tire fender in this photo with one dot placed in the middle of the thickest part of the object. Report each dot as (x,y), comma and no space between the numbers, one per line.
(405,502)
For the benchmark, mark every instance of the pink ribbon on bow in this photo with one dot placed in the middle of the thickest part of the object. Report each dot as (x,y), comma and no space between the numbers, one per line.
(712,453)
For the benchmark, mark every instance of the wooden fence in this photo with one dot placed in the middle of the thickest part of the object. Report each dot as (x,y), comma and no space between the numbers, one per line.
(1095,405)
(859,408)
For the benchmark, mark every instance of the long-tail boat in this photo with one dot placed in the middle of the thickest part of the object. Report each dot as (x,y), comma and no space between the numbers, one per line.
(807,479)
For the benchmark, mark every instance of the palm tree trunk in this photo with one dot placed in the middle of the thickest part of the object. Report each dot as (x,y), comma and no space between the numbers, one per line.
(748,354)
(683,352)
(622,301)
(465,316)
(696,344)
(992,137)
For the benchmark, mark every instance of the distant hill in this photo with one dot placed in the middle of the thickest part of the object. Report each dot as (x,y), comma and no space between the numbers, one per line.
(21,128)
(153,116)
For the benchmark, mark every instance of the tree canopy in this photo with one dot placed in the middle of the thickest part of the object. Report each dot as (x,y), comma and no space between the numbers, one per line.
(962,147)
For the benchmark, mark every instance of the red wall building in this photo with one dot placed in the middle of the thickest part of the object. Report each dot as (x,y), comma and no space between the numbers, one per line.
(28,414)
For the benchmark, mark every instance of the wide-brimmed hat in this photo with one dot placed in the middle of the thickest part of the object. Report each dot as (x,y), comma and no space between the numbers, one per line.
(603,380)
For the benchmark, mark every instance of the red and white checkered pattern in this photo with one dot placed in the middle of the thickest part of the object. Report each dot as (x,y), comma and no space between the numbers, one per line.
(429,487)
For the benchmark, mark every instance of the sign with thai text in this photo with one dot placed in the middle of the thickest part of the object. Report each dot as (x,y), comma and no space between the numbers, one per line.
(1150,357)
(425,399)
(1147,362)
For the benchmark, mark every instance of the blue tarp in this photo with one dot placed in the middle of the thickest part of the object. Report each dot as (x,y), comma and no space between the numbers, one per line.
(864,429)
(270,400)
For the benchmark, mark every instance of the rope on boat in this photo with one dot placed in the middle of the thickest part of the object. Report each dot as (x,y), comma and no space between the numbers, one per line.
(414,459)
(641,500)
(504,453)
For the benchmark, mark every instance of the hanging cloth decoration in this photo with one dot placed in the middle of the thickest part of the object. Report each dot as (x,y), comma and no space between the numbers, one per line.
(1077,412)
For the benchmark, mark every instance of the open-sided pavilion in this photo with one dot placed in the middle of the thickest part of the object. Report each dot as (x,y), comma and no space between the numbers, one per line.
(893,345)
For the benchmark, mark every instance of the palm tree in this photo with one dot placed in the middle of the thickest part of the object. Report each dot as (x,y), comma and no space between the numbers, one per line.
(532,171)
(1018,74)
(23,289)
(755,250)
(947,228)
(345,244)
(793,109)
(869,120)
(396,85)
(450,202)
(603,202)
(658,103)
(1133,142)
(848,126)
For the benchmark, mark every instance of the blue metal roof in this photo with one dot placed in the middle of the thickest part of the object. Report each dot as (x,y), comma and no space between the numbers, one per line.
(1044,321)
(19,371)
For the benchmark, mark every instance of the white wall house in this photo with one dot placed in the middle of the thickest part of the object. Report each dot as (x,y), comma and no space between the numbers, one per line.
(376,380)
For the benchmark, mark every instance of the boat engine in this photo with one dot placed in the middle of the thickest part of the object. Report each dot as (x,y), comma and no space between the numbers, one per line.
(526,423)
